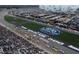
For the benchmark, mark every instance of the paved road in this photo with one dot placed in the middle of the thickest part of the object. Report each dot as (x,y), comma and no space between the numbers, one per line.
(43,46)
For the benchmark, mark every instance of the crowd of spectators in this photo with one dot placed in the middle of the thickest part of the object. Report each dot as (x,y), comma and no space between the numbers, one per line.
(10,43)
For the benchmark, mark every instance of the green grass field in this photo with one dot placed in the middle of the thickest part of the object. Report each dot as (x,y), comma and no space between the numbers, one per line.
(29,25)
(69,38)
(65,37)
